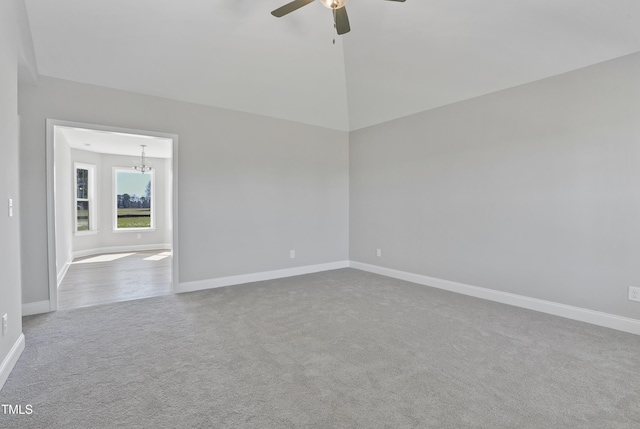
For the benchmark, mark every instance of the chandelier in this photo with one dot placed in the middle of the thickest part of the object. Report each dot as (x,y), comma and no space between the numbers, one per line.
(143,165)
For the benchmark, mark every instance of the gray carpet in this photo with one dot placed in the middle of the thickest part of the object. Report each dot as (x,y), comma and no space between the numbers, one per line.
(339,349)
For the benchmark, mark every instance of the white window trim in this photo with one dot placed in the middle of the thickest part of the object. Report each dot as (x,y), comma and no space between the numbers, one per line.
(114,198)
(89,232)
(92,198)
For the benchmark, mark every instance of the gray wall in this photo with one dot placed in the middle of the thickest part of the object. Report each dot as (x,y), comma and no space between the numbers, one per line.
(9,188)
(250,187)
(533,190)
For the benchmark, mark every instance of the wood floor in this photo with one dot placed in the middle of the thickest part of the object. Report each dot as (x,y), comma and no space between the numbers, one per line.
(113,277)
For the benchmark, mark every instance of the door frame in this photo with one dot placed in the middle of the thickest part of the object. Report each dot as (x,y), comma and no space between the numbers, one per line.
(51,198)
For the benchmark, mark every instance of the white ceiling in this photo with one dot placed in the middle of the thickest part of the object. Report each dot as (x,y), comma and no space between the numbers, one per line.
(398,59)
(115,143)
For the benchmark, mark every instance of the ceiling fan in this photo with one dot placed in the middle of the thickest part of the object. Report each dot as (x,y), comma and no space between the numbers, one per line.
(340,19)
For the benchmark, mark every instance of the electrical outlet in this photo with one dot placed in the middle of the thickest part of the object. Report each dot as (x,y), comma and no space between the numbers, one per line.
(4,324)
(292,254)
(634,293)
(379,253)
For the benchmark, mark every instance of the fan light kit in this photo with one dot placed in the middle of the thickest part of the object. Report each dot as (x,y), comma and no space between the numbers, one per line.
(334,4)
(340,18)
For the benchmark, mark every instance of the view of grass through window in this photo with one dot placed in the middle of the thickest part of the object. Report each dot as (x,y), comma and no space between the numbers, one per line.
(82,199)
(133,199)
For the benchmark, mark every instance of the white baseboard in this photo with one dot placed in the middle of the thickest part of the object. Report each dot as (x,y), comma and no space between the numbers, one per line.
(256,277)
(117,249)
(37,307)
(11,359)
(606,320)
(63,272)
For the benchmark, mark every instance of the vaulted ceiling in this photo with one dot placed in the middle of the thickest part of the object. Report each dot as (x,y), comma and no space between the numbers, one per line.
(398,59)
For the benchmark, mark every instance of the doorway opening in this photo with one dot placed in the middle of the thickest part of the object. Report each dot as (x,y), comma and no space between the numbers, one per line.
(111,234)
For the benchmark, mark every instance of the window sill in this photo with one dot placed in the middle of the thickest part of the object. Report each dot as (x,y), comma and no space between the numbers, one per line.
(124,231)
(81,233)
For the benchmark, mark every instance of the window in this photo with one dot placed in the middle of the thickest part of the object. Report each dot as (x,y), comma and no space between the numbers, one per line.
(85,218)
(134,200)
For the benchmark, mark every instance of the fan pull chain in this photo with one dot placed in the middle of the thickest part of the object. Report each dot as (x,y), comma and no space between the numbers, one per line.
(335,27)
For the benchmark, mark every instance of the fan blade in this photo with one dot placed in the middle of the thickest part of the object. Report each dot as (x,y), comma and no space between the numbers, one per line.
(290,7)
(342,20)
(402,1)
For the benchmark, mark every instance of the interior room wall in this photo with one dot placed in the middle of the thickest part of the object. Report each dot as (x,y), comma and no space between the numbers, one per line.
(534,190)
(106,239)
(251,188)
(10,260)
